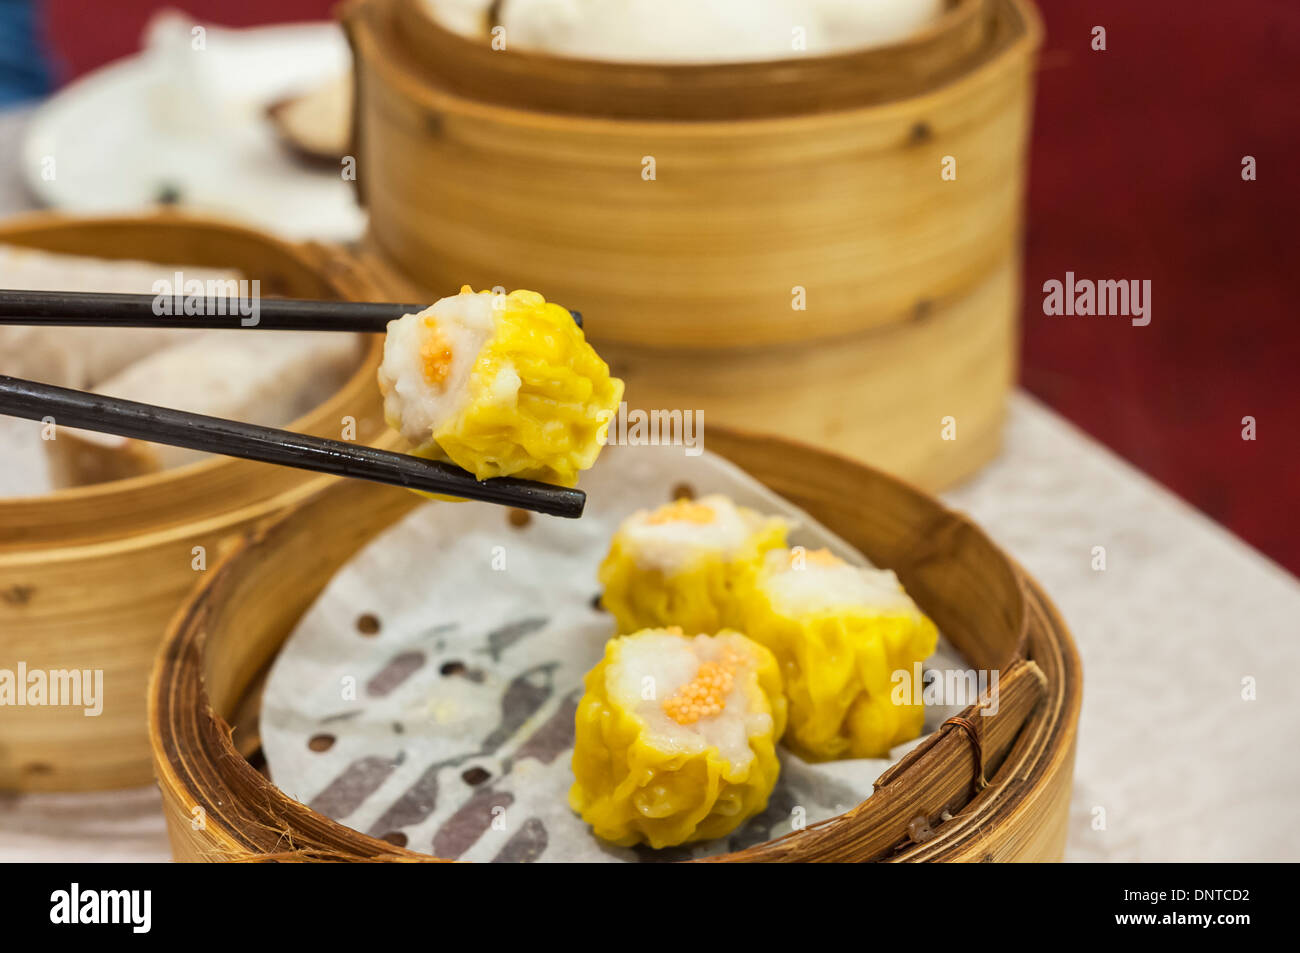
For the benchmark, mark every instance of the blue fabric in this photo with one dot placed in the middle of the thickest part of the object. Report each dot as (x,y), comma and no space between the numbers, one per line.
(24,62)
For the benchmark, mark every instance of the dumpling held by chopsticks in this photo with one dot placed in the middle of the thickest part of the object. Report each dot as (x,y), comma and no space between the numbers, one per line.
(500,385)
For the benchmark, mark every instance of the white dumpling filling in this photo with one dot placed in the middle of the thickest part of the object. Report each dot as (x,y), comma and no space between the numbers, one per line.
(673,536)
(801,584)
(428,359)
(653,668)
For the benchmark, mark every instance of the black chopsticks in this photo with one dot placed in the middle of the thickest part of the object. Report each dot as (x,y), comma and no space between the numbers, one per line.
(178,428)
(85,309)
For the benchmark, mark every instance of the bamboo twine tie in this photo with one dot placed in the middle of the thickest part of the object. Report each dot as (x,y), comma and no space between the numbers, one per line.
(973,734)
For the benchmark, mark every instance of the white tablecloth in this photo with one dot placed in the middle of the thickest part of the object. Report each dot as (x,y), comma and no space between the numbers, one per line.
(1183,767)
(1173,758)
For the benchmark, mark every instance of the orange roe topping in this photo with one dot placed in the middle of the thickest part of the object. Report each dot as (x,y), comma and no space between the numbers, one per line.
(706,694)
(681,511)
(435,355)
(822,557)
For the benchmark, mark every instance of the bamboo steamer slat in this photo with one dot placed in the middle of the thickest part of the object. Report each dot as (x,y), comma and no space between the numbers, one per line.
(689,280)
(868,395)
(219,646)
(89,576)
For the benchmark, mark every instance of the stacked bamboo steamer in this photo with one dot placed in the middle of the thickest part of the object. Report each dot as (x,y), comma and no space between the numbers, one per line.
(823,248)
(90,576)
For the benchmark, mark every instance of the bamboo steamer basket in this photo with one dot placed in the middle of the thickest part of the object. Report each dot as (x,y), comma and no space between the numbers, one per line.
(89,576)
(1004,778)
(823,174)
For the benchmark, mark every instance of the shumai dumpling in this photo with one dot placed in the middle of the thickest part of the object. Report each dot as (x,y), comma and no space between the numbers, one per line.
(839,632)
(684,563)
(500,385)
(676,737)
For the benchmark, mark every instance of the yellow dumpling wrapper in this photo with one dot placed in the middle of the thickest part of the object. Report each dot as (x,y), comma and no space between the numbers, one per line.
(500,385)
(839,634)
(676,737)
(685,563)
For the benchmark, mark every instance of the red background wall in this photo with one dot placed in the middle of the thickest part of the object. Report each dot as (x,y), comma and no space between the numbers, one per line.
(1136,173)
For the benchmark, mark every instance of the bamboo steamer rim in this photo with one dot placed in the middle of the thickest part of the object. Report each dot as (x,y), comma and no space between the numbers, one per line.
(1035,769)
(566,83)
(366,24)
(15,230)
(28,560)
(1060,707)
